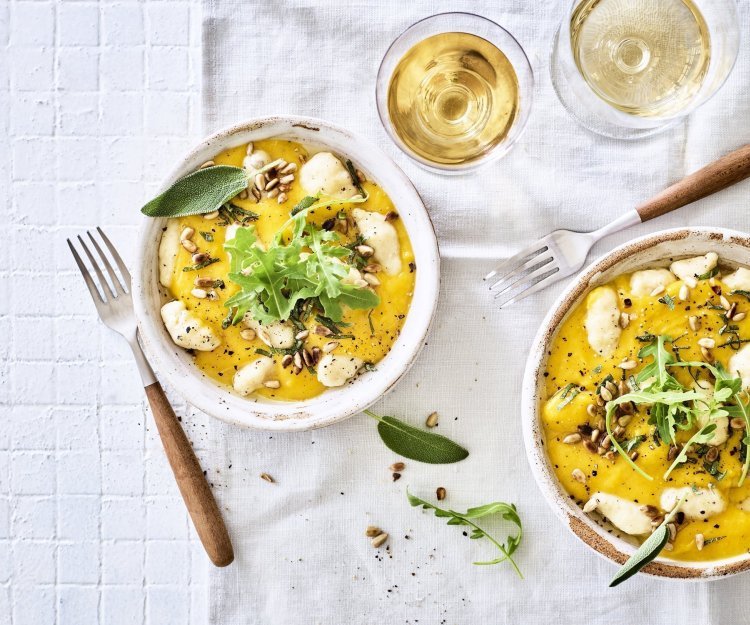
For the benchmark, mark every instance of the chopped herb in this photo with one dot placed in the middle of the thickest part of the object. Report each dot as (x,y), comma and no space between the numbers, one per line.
(667,301)
(305,202)
(568,395)
(646,338)
(205,263)
(597,369)
(712,468)
(709,274)
(745,294)
(369,321)
(713,539)
(355,178)
(207,236)
(227,321)
(263,352)
(631,444)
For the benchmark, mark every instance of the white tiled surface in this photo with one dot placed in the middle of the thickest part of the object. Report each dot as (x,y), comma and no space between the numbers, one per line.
(96,99)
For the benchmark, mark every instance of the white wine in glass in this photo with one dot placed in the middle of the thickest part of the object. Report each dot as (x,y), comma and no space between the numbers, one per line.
(453,97)
(643,57)
(454,91)
(631,68)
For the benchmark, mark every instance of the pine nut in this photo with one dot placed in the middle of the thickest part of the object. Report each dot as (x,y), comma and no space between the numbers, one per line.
(211,215)
(650,511)
(287,360)
(283,197)
(187,234)
(204,282)
(302,335)
(707,354)
(322,331)
(260,181)
(189,245)
(605,394)
(372,531)
(731,311)
(207,164)
(243,194)
(271,184)
(249,149)
(273,193)
(288,168)
(707,342)
(578,476)
(298,360)
(737,423)
(624,320)
(684,293)
(397,466)
(572,439)
(593,410)
(379,540)
(724,302)
(694,323)
(591,505)
(624,420)
(288,179)
(699,542)
(199,293)
(739,316)
(199,257)
(440,493)
(364,250)
(432,420)
(371,279)
(272,384)
(248,334)
(267,478)
(658,290)
(280,164)
(626,365)
(330,346)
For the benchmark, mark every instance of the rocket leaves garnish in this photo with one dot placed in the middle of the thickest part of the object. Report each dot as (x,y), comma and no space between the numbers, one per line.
(674,407)
(202,191)
(273,280)
(508,513)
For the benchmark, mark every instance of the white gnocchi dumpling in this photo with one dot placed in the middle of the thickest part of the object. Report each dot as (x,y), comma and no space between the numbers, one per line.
(738,280)
(624,514)
(279,334)
(688,269)
(256,160)
(250,377)
(337,369)
(382,237)
(187,330)
(603,320)
(646,281)
(739,364)
(699,503)
(169,246)
(325,174)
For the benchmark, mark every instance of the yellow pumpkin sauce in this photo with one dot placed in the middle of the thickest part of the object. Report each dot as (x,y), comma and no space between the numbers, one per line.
(395,291)
(572,360)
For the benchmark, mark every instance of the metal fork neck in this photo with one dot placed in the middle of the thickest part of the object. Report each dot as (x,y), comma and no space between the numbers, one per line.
(631,218)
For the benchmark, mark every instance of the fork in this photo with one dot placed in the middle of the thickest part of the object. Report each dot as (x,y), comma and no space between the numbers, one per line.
(563,252)
(114,303)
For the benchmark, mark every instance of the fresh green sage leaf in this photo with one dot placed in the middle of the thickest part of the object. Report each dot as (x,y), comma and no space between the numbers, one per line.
(417,444)
(646,553)
(202,191)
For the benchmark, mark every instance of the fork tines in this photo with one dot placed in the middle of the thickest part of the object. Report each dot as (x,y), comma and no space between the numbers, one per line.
(102,290)
(529,271)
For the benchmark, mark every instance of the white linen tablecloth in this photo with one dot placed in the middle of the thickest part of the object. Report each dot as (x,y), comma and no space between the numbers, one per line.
(301,551)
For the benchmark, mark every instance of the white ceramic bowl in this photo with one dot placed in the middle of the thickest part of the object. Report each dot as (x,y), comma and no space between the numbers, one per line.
(175,364)
(653,250)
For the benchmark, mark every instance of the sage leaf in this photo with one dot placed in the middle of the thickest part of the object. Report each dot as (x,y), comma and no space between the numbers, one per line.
(647,552)
(416,444)
(202,191)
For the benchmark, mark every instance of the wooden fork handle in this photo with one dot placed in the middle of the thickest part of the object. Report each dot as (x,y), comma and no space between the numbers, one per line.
(195,491)
(720,174)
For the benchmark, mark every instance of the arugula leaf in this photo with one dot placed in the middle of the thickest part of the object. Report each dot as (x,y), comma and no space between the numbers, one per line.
(272,281)
(508,512)
(416,444)
(202,191)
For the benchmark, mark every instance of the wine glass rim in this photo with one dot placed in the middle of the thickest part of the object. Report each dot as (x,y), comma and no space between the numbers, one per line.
(519,123)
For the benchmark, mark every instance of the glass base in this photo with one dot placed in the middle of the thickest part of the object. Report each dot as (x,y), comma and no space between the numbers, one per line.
(589,119)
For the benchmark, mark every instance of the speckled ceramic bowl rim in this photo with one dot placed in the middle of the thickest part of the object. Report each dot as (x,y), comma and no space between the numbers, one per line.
(172,363)
(597,538)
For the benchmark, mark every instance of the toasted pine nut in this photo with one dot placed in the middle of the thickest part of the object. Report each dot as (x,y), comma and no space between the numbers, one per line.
(199,293)
(432,420)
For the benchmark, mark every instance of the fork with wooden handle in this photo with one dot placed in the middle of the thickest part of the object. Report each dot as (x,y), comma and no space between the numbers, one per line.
(563,252)
(114,304)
